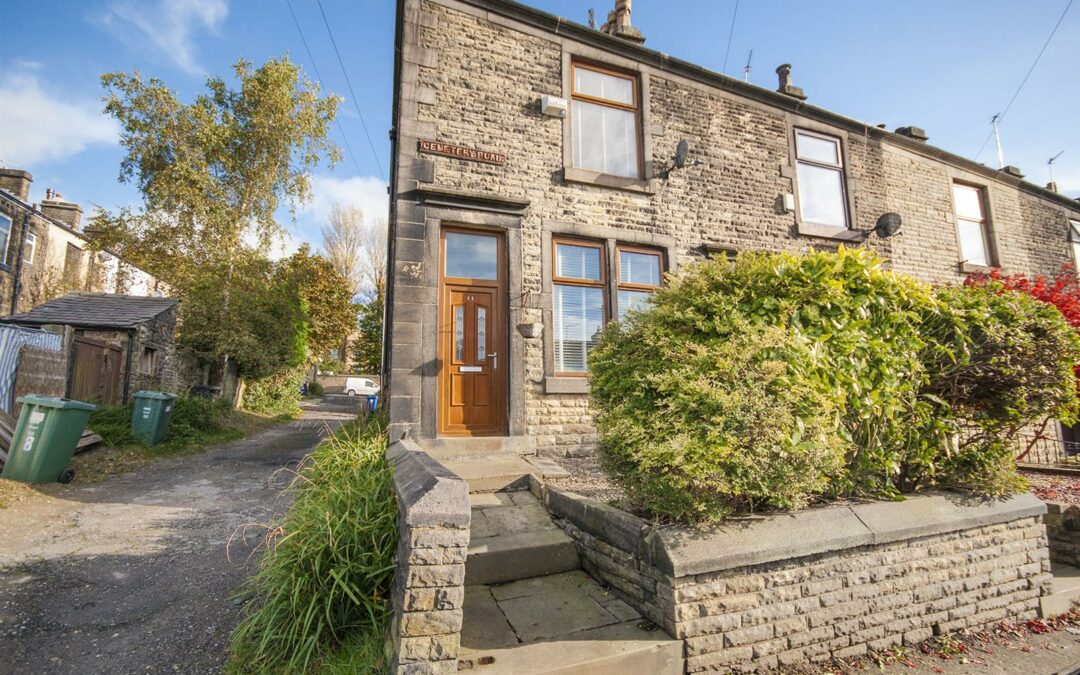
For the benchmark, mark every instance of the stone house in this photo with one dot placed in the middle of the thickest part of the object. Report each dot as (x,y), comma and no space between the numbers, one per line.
(122,344)
(546,175)
(44,253)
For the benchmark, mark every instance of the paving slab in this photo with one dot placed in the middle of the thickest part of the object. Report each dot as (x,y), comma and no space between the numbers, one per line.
(563,623)
(492,473)
(1064,590)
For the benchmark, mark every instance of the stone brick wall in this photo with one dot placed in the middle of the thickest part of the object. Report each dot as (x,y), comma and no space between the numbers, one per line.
(1063,533)
(157,335)
(472,77)
(834,582)
(433,539)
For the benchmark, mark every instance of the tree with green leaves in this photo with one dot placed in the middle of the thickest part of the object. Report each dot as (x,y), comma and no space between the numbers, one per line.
(367,348)
(212,174)
(326,298)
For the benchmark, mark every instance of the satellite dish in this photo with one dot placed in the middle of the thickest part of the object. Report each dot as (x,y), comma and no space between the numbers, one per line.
(681,152)
(888,225)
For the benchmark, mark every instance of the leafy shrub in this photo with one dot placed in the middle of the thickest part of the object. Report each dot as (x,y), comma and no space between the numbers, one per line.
(315,389)
(703,423)
(999,361)
(333,366)
(692,421)
(324,577)
(274,394)
(194,421)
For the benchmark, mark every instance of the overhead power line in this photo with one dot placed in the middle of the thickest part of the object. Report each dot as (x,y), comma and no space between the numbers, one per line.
(731,33)
(356,105)
(1001,116)
(318,78)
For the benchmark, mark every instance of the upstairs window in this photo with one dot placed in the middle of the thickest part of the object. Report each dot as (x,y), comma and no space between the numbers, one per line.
(29,248)
(578,306)
(1074,238)
(820,179)
(640,271)
(971,225)
(604,117)
(5,235)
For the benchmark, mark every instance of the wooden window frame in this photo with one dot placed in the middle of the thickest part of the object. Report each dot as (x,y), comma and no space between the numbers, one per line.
(635,107)
(840,166)
(601,283)
(621,285)
(984,226)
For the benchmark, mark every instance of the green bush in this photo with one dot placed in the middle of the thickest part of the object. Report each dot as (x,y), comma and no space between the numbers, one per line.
(777,377)
(315,389)
(322,588)
(194,422)
(275,394)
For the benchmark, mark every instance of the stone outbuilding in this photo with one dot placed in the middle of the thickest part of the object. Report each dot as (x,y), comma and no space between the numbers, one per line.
(120,343)
(546,175)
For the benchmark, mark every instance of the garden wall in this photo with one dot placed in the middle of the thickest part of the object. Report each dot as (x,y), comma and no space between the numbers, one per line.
(1063,532)
(760,592)
(433,539)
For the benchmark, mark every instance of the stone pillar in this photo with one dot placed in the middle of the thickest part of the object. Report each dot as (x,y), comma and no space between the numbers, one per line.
(434,515)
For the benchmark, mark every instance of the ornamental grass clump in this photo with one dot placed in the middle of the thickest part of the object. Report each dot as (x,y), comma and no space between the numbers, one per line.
(324,579)
(777,378)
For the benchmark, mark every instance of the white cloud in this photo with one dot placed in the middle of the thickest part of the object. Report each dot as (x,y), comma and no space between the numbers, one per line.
(39,124)
(167,26)
(368,192)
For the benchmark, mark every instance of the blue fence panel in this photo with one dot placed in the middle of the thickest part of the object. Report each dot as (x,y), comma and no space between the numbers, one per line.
(12,338)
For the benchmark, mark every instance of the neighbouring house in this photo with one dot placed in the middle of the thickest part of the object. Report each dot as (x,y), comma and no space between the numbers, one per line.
(119,344)
(44,253)
(546,175)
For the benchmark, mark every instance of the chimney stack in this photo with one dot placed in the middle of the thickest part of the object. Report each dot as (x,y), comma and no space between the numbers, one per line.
(1052,186)
(17,182)
(618,24)
(914,133)
(786,87)
(56,207)
(1012,171)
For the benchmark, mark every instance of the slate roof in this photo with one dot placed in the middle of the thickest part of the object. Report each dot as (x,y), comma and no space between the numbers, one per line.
(95,310)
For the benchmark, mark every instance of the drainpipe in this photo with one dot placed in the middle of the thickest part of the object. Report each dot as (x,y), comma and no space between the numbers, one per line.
(127,366)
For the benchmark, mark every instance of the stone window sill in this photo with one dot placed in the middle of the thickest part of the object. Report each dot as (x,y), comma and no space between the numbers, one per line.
(830,232)
(972,268)
(585,177)
(566,385)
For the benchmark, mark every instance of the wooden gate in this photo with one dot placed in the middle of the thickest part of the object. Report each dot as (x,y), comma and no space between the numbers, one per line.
(96,372)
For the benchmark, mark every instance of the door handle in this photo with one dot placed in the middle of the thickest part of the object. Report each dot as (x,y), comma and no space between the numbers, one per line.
(494,360)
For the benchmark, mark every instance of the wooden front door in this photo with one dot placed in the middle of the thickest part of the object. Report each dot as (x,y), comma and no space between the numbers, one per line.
(472,334)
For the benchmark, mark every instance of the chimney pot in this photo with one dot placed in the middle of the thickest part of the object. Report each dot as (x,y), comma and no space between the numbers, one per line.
(914,133)
(786,87)
(618,24)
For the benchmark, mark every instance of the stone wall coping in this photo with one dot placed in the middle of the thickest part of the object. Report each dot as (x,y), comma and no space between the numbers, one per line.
(753,540)
(428,494)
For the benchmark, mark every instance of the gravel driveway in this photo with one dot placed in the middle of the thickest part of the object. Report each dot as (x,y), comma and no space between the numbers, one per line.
(135,574)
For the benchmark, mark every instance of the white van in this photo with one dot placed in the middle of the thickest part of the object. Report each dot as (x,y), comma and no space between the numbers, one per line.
(360,386)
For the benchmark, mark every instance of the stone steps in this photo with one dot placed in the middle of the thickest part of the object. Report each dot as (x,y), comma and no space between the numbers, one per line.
(494,473)
(514,538)
(1064,590)
(448,447)
(562,623)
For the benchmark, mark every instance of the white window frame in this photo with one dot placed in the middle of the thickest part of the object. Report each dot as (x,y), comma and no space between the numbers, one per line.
(7,221)
(839,167)
(1074,239)
(30,248)
(983,223)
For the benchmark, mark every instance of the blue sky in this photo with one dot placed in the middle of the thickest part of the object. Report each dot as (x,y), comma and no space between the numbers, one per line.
(944,66)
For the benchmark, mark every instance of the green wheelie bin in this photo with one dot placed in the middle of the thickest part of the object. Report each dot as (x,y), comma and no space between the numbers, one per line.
(45,439)
(150,415)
